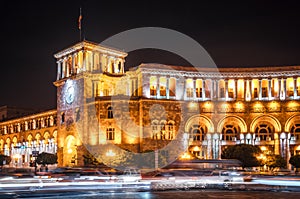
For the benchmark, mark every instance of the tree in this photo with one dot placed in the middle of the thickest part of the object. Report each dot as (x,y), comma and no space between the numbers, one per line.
(295,161)
(4,159)
(276,161)
(46,158)
(243,152)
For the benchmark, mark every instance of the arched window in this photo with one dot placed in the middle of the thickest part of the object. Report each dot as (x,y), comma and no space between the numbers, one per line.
(155,130)
(230,132)
(170,131)
(295,132)
(110,113)
(263,132)
(163,130)
(198,132)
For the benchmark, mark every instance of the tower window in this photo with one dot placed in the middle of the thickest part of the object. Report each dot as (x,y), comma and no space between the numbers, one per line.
(110,113)
(110,133)
(62,118)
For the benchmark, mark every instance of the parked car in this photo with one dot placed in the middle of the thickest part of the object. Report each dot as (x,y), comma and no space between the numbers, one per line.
(225,176)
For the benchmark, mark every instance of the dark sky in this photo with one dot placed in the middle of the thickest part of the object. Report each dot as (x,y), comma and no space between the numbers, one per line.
(257,33)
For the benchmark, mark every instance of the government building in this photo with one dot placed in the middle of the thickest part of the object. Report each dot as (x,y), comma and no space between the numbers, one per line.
(151,106)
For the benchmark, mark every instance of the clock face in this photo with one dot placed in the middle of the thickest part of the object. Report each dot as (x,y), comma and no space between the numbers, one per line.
(70,95)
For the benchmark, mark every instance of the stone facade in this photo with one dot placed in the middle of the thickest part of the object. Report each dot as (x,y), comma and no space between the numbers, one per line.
(151,106)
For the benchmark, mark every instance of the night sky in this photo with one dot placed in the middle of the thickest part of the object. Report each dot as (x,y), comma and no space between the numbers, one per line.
(258,33)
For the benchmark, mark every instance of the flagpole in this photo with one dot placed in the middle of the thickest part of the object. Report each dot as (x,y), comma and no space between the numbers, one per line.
(79,25)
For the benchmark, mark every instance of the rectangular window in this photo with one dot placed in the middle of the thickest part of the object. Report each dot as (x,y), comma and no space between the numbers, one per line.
(162,91)
(172,87)
(199,92)
(264,92)
(153,86)
(162,86)
(230,93)
(208,88)
(189,92)
(255,93)
(152,90)
(199,88)
(222,92)
(110,133)
(189,88)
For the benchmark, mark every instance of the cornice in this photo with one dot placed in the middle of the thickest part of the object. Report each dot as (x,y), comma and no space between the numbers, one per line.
(29,117)
(86,45)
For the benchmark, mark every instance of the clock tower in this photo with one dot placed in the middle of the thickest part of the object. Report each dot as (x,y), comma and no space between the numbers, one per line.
(85,71)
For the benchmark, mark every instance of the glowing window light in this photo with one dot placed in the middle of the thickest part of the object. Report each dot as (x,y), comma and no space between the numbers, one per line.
(240,88)
(189,83)
(153,85)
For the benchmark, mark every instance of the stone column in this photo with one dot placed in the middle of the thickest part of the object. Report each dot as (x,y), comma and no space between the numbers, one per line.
(63,68)
(122,66)
(288,153)
(295,87)
(283,89)
(276,144)
(73,64)
(216,146)
(269,89)
(209,146)
(212,90)
(250,89)
(236,88)
(167,87)
(260,89)
(68,71)
(246,89)
(58,70)
(116,66)
(158,87)
(226,89)
(194,89)
(217,89)
(203,89)
(84,58)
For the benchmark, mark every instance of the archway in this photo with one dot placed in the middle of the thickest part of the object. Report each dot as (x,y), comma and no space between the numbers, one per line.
(199,128)
(231,127)
(266,130)
(70,151)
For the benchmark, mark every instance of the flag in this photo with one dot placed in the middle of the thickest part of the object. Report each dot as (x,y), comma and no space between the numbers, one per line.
(79,20)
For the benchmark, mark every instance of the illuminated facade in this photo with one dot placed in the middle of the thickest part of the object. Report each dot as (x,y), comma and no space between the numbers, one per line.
(144,108)
(36,132)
